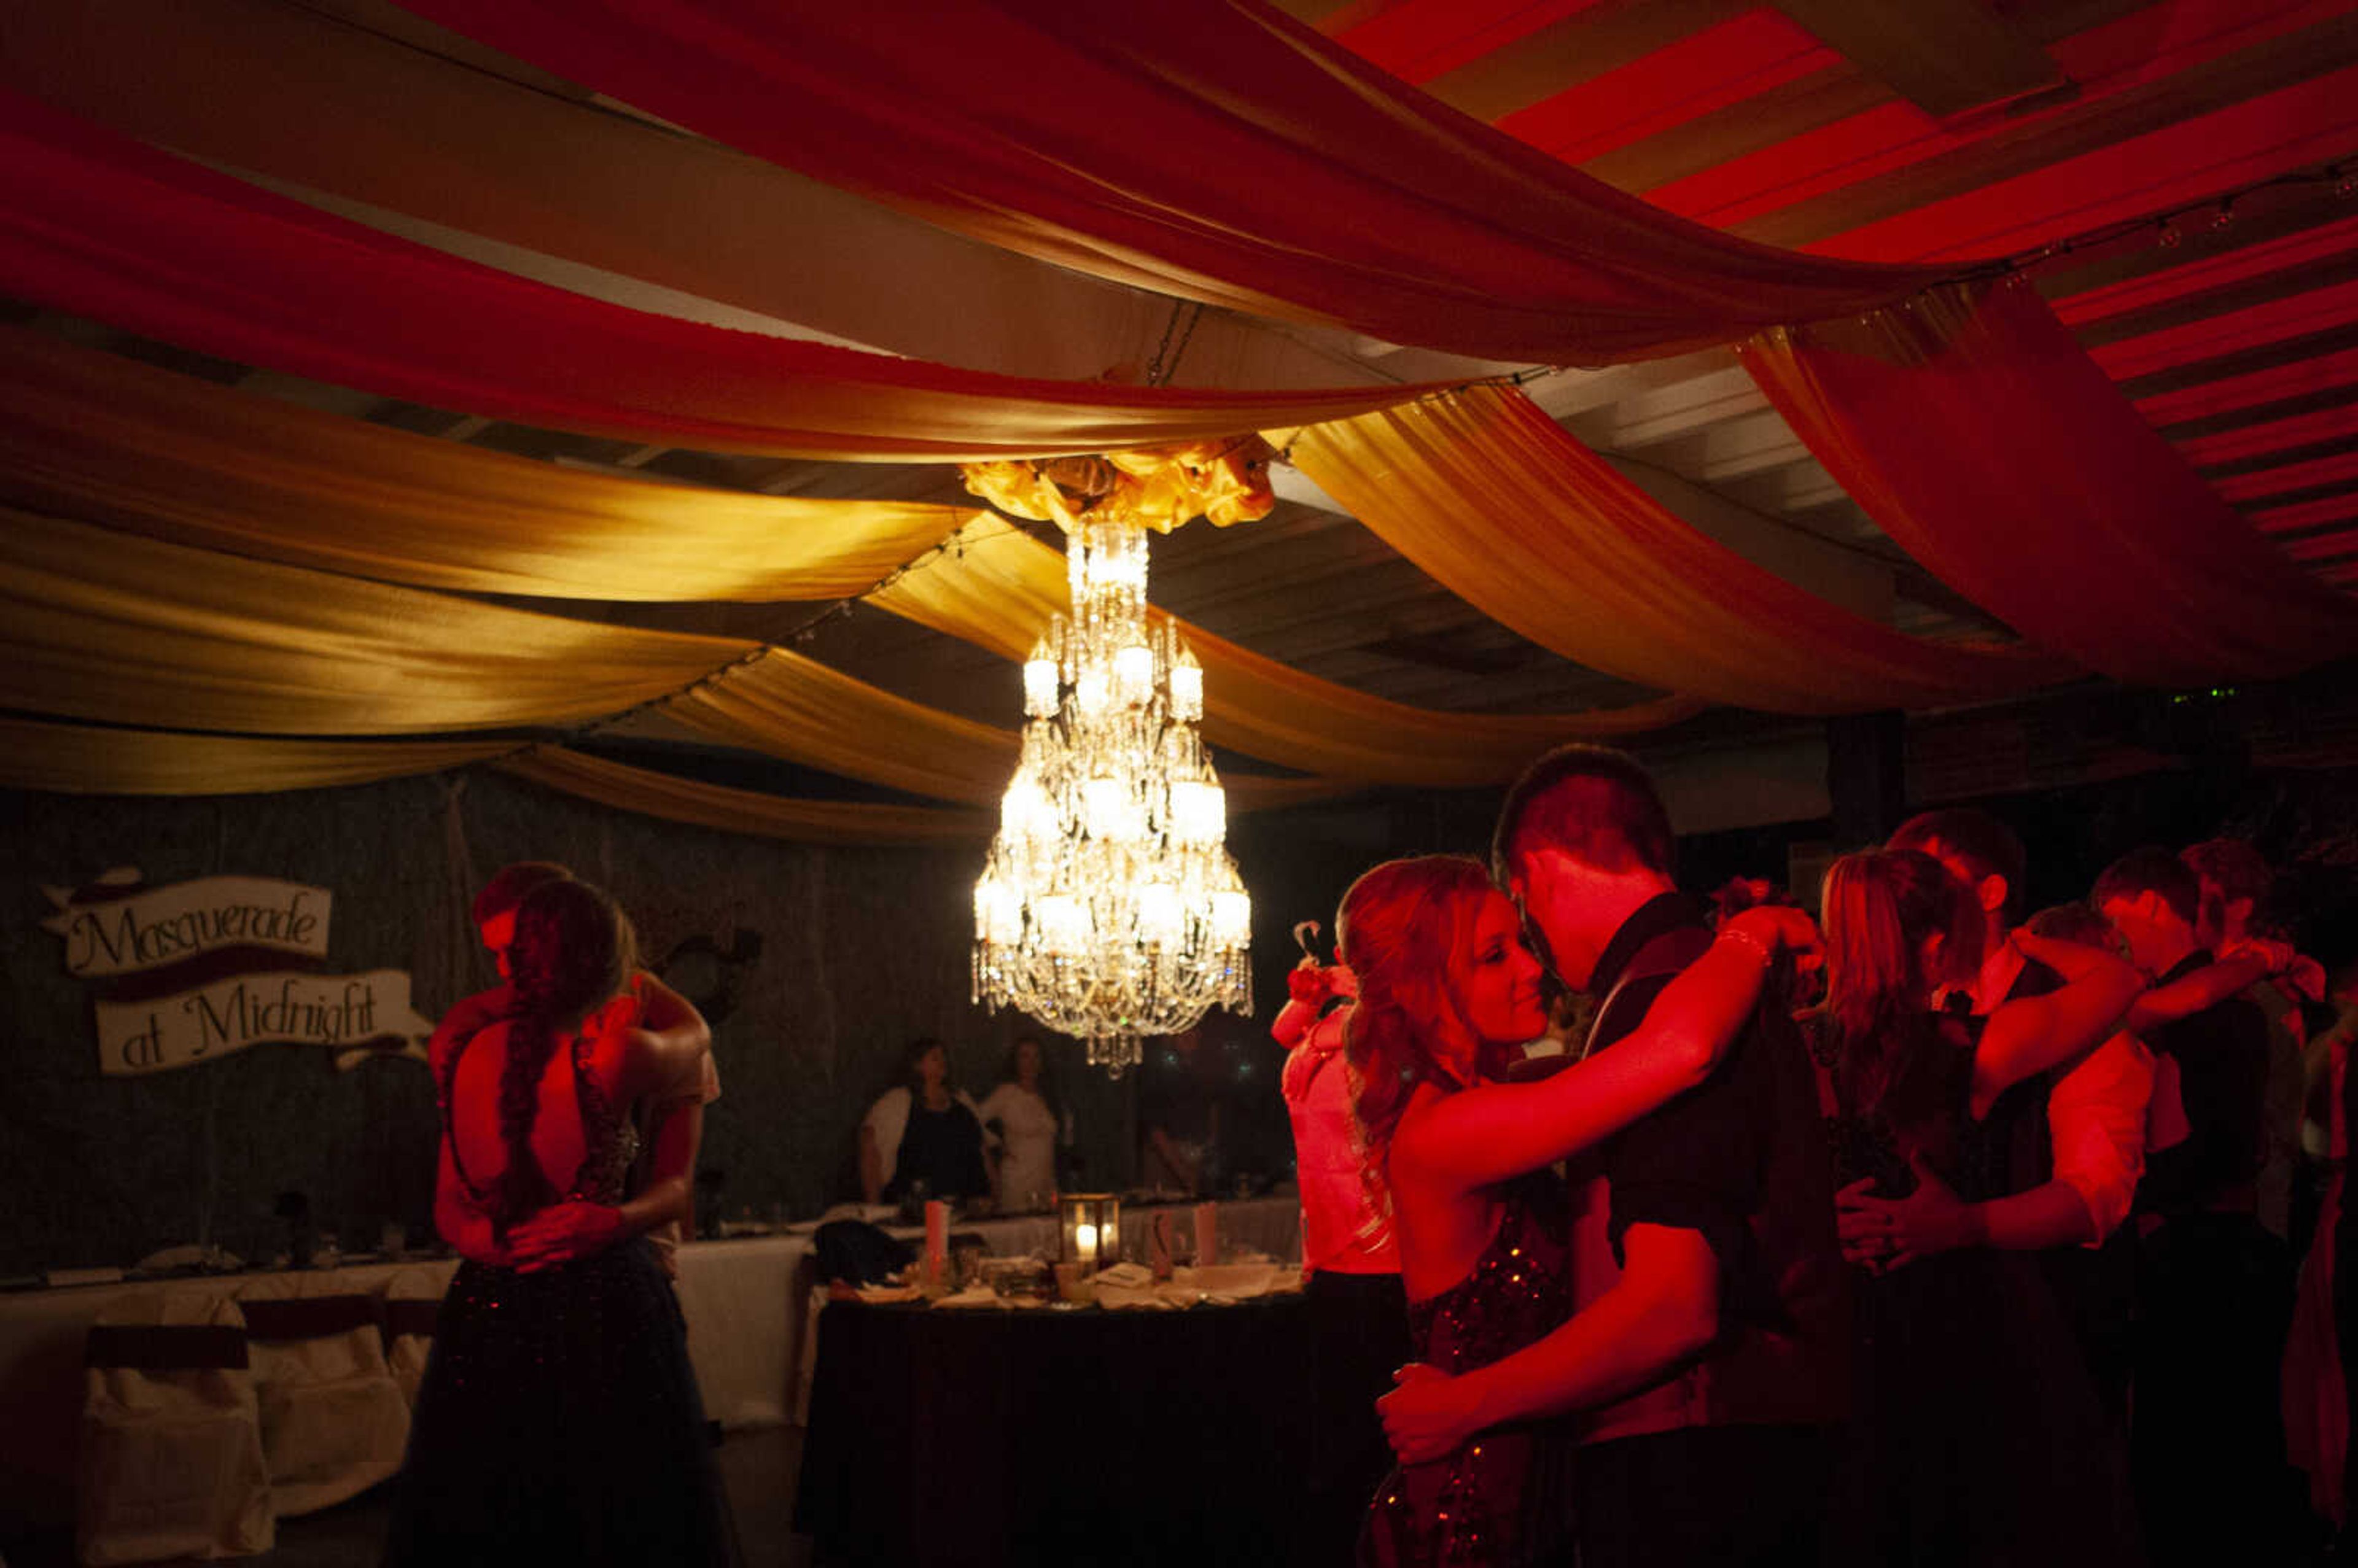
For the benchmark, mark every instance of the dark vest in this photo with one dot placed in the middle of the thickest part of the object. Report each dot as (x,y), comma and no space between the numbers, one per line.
(1783,1352)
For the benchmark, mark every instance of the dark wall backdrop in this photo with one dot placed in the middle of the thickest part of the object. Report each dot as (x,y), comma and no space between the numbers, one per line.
(859,950)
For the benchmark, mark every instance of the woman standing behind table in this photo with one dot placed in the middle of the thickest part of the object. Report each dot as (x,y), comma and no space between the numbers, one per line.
(1976,1434)
(1446,989)
(1031,1125)
(558,1419)
(923,1137)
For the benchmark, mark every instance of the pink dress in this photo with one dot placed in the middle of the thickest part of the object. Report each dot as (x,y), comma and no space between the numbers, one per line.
(1345,1227)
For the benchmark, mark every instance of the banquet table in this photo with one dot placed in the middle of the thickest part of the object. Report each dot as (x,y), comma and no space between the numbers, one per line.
(745,1302)
(1053,1435)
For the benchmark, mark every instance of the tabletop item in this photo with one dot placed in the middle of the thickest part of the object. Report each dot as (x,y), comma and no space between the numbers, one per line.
(1207,1233)
(1090,1225)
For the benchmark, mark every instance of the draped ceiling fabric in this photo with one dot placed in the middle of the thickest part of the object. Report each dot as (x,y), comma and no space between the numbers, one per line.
(1504,508)
(121,629)
(356,115)
(999,590)
(1977,433)
(1260,167)
(98,437)
(797,708)
(100,626)
(677,799)
(80,759)
(97,225)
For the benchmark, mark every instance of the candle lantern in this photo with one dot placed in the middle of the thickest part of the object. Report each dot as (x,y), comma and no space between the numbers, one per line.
(1091,1223)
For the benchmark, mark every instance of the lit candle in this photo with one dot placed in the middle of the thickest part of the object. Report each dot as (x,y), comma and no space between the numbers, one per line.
(1084,1242)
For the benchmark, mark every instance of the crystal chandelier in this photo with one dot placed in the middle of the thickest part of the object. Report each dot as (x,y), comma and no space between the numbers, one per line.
(1110,908)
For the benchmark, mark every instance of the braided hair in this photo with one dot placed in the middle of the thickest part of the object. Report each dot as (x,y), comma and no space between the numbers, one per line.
(573,949)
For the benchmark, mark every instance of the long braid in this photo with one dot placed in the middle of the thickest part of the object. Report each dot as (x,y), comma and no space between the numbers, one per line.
(523,1186)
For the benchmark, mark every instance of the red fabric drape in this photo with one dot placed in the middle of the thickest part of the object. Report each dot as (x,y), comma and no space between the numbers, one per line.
(98,226)
(1978,434)
(1215,149)
(1505,509)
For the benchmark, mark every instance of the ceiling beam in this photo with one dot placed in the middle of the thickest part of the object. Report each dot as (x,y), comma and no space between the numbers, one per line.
(1946,57)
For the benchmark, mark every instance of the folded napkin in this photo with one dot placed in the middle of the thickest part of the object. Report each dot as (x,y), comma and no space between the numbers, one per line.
(974,1295)
(1229,1281)
(1126,1276)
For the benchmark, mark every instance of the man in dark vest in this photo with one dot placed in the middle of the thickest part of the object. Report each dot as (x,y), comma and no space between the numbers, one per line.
(1703,1367)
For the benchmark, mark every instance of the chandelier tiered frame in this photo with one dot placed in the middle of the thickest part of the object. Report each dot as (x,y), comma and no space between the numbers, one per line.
(1110,908)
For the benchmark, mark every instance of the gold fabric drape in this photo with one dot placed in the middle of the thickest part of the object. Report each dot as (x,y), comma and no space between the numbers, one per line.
(108,626)
(80,759)
(94,436)
(101,438)
(798,708)
(1504,508)
(795,708)
(99,625)
(677,799)
(999,590)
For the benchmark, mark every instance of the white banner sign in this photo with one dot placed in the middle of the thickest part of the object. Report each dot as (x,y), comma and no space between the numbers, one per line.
(209,1021)
(162,926)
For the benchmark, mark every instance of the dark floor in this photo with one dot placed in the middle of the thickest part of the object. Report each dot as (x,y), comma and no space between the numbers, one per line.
(757,1467)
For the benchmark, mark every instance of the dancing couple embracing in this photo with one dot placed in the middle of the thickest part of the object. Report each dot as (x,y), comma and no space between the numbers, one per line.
(1626,1292)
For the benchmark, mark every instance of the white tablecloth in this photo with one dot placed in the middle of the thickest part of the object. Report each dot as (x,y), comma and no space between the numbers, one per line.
(744,1299)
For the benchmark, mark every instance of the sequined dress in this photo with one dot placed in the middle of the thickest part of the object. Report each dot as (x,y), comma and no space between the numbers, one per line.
(560,1421)
(1505,1498)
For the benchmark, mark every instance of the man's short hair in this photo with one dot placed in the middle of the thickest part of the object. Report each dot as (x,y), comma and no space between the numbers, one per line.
(2156,870)
(510,885)
(1592,802)
(2231,865)
(1976,838)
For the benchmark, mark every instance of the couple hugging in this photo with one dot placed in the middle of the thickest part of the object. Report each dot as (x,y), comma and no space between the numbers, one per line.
(1641,1359)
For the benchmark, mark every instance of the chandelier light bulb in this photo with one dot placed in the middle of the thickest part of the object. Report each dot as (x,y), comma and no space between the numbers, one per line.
(1093,692)
(1040,682)
(1064,924)
(1232,917)
(1199,811)
(1186,686)
(1133,675)
(1161,916)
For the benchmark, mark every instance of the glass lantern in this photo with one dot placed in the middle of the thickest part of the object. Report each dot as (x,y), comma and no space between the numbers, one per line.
(1091,1224)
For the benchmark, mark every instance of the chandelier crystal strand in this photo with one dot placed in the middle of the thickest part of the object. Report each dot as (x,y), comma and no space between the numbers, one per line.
(1110,908)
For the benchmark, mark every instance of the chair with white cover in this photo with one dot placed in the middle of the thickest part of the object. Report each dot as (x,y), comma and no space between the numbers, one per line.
(171,1462)
(413,1301)
(333,1420)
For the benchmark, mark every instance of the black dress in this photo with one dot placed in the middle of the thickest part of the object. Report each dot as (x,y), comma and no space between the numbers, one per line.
(1976,1436)
(560,1421)
(1504,1498)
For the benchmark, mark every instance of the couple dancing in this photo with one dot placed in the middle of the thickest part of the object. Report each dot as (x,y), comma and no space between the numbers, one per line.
(1681,1302)
(1683,1288)
(558,1419)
